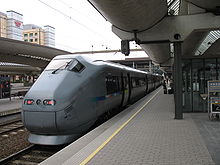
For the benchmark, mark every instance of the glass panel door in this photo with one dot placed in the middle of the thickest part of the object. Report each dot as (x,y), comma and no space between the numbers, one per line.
(187,90)
(198,85)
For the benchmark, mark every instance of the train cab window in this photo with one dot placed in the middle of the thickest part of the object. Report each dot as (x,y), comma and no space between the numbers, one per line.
(61,64)
(76,66)
(58,64)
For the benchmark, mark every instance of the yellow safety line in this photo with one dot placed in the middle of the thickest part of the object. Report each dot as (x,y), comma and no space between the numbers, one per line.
(115,133)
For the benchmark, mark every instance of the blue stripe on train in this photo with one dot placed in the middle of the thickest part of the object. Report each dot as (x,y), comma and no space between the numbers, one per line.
(101,98)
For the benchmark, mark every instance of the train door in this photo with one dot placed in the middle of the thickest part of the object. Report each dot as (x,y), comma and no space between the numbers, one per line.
(150,83)
(154,82)
(129,87)
(146,81)
(125,90)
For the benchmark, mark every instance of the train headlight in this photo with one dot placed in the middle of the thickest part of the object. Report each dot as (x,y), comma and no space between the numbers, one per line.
(38,102)
(29,102)
(49,102)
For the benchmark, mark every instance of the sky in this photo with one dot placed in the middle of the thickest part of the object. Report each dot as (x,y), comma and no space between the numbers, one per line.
(78,26)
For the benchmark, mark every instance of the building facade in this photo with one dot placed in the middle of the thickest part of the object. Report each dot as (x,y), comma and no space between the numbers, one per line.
(49,33)
(11,26)
(33,34)
(3,25)
(196,73)
(42,36)
(14,25)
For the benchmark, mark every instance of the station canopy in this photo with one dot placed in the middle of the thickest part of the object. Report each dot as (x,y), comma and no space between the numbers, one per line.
(14,52)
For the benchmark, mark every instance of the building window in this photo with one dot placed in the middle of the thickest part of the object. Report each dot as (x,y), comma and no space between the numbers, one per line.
(35,39)
(31,34)
(25,35)
(26,40)
(31,40)
(35,34)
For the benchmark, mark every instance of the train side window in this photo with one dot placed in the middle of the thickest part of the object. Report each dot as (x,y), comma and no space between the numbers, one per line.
(112,84)
(137,82)
(150,79)
(119,84)
(142,82)
(133,83)
(126,83)
(76,66)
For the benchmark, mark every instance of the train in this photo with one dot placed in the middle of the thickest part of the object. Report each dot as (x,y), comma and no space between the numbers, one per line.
(72,93)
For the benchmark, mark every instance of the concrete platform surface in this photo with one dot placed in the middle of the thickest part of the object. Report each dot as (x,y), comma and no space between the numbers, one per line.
(7,105)
(143,134)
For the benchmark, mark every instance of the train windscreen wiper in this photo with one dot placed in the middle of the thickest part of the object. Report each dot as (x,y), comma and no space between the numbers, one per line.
(65,65)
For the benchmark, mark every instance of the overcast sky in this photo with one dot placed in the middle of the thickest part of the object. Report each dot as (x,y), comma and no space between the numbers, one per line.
(78,26)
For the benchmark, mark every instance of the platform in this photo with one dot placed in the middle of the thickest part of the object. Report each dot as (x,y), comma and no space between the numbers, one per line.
(146,133)
(7,105)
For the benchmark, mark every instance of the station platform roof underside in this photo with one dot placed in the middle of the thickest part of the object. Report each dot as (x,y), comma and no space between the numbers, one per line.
(156,25)
(33,56)
(194,23)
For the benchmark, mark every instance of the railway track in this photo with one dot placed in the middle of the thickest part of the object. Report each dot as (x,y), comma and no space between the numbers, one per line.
(10,113)
(10,126)
(10,121)
(31,155)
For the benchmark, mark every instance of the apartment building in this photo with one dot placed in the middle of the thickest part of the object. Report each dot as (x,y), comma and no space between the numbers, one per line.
(3,25)
(42,36)
(11,26)
(33,34)
(14,25)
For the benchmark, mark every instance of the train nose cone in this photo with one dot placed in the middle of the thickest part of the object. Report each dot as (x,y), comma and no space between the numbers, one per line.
(42,123)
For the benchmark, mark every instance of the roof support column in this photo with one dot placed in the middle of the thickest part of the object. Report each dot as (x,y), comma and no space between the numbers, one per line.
(177,73)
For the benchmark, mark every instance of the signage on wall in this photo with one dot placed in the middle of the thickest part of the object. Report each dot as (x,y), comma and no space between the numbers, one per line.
(18,24)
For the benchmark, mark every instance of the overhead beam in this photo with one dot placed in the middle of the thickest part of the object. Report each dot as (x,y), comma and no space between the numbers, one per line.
(173,26)
(10,46)
(23,60)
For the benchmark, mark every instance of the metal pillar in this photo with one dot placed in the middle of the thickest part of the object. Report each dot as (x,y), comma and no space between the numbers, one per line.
(150,67)
(177,73)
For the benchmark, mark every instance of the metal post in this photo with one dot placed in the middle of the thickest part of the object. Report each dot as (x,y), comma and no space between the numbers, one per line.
(10,92)
(0,90)
(150,67)
(178,80)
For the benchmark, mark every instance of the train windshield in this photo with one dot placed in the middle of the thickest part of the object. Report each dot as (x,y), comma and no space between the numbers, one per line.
(69,64)
(58,64)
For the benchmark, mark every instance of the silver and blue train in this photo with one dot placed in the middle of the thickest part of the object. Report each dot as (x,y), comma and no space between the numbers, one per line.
(74,91)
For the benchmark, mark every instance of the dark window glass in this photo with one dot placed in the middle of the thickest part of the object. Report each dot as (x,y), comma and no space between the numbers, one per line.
(112,84)
(133,83)
(126,83)
(142,82)
(76,66)
(137,82)
(69,64)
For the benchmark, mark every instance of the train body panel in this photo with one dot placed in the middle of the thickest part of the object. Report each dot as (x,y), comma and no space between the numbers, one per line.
(74,92)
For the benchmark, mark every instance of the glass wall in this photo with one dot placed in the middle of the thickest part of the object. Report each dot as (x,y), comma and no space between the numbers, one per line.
(187,83)
(196,74)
